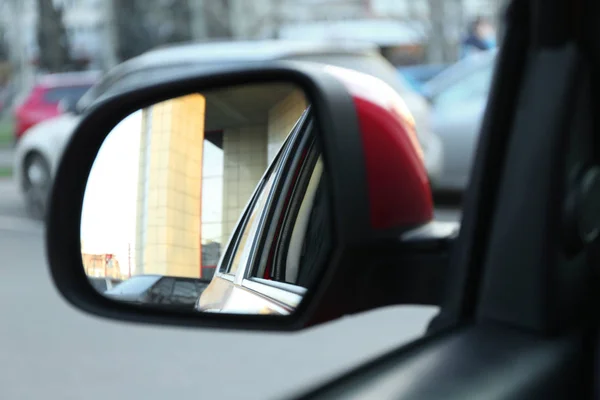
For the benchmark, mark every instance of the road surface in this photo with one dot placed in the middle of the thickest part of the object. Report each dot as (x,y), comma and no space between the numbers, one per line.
(6,157)
(50,350)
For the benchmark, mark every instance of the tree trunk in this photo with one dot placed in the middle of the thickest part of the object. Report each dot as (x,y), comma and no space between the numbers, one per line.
(142,25)
(54,55)
(439,48)
(181,15)
(132,36)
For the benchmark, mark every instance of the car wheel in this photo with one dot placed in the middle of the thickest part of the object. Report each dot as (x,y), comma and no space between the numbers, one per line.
(37,186)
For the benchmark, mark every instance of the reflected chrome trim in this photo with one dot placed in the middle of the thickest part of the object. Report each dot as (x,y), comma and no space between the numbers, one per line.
(282,296)
(288,287)
(227,277)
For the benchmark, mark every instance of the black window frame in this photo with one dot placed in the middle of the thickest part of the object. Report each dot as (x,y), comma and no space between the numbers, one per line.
(232,246)
(272,238)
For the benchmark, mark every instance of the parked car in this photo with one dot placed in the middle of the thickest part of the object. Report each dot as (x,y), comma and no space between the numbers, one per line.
(37,154)
(42,100)
(418,75)
(158,289)
(458,97)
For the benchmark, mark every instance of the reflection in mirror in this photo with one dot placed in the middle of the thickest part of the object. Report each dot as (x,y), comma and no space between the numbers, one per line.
(196,203)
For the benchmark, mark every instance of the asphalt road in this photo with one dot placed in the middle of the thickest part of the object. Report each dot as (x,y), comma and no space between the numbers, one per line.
(6,158)
(50,350)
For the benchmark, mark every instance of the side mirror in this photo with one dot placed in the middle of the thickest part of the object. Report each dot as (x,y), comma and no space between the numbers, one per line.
(277,196)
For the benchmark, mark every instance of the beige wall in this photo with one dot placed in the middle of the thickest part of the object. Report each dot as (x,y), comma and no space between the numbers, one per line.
(169,191)
(245,161)
(282,118)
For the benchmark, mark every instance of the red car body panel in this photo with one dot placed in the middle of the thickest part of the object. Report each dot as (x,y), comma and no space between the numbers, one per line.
(398,185)
(42,102)
(33,111)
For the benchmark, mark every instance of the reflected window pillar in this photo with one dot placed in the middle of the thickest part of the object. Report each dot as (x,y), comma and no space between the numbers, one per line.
(248,151)
(168,225)
(282,118)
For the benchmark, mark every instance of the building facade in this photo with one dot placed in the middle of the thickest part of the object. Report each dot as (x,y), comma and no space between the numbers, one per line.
(171,237)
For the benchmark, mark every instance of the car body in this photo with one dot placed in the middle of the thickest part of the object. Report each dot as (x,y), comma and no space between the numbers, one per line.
(48,139)
(42,100)
(158,290)
(459,96)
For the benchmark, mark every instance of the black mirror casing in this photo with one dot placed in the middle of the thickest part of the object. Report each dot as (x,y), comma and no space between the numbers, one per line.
(343,159)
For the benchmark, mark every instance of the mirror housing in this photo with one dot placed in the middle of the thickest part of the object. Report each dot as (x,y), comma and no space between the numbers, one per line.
(380,194)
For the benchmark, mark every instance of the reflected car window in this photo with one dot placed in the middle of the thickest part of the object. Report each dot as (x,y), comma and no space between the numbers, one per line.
(73,93)
(244,246)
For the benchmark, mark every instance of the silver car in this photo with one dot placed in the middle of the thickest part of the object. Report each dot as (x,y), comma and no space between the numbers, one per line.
(458,96)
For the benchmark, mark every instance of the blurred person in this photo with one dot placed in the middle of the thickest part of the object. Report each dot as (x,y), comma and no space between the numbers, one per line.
(480,37)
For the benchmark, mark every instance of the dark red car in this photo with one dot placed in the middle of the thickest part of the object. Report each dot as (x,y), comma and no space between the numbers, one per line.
(42,101)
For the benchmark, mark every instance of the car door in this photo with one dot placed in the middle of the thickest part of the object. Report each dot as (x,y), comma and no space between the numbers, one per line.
(226,292)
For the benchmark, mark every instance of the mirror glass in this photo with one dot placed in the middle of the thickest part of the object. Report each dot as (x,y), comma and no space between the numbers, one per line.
(210,202)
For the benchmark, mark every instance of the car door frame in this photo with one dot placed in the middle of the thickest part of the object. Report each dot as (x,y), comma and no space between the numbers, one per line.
(516,320)
(280,297)
(282,293)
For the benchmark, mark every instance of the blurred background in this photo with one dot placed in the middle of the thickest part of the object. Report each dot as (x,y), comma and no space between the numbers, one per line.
(53,51)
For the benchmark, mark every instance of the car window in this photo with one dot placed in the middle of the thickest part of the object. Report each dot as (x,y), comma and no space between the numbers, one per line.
(474,86)
(251,224)
(163,288)
(298,241)
(72,93)
(185,289)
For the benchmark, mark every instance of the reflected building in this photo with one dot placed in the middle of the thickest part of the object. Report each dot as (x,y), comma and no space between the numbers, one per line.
(169,188)
(102,266)
(169,216)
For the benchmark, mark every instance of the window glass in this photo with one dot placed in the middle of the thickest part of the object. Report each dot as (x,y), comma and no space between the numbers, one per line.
(303,231)
(185,289)
(471,87)
(303,239)
(73,94)
(248,234)
(163,288)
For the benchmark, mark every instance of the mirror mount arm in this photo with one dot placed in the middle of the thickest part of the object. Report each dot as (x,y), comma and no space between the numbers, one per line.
(410,269)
